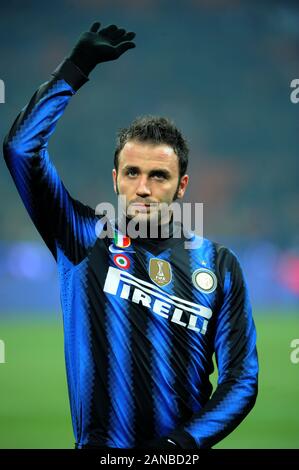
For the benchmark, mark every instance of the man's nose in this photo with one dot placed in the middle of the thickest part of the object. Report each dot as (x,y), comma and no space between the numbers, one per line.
(143,188)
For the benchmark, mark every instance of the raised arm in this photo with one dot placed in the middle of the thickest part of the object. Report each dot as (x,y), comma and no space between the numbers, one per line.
(61,220)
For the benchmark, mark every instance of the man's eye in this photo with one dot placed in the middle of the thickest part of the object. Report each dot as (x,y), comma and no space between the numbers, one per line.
(159,176)
(131,173)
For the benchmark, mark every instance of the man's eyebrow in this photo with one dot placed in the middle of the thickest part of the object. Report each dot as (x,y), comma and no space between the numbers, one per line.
(130,167)
(160,171)
(154,171)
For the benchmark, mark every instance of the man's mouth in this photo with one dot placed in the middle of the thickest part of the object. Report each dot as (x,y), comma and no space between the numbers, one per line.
(140,204)
(142,207)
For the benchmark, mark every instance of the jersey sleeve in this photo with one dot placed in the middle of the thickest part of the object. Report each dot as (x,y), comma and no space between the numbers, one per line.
(61,220)
(237,363)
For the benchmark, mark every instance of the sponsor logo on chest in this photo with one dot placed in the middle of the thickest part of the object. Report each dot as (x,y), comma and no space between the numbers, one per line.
(182,312)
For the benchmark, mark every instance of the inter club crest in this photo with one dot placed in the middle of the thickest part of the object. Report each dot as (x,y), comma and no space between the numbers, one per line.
(204,280)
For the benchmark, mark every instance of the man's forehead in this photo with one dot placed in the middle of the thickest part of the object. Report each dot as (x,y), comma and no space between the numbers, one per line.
(134,152)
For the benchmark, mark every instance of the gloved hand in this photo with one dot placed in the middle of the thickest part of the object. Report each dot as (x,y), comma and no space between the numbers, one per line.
(100,45)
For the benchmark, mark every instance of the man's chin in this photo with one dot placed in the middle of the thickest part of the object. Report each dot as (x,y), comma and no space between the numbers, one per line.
(143,218)
(148,219)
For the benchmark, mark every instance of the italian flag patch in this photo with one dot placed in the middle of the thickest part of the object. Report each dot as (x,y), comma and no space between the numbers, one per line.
(121,241)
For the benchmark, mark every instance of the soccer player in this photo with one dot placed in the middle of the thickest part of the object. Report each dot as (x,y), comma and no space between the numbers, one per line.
(142,316)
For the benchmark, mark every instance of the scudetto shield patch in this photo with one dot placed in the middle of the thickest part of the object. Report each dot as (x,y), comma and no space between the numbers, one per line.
(160,271)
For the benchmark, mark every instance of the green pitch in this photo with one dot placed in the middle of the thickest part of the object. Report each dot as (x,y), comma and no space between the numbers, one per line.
(34,409)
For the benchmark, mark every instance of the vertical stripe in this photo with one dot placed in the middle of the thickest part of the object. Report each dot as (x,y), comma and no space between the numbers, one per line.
(79,359)
(142,378)
(204,257)
(100,400)
(180,348)
(120,387)
(160,337)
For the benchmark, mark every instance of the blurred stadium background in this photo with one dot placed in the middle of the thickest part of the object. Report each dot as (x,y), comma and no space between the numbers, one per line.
(222,71)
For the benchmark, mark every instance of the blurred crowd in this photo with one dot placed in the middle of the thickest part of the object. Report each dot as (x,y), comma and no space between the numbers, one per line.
(221,70)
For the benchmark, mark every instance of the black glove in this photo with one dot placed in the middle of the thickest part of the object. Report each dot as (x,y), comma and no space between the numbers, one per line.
(100,45)
(161,443)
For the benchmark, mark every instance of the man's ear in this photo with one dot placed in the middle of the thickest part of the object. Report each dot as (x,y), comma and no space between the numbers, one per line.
(114,177)
(182,186)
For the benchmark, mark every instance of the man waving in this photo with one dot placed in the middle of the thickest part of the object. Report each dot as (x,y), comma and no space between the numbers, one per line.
(142,316)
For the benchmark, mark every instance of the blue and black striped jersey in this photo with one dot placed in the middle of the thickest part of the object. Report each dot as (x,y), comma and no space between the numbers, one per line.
(141,321)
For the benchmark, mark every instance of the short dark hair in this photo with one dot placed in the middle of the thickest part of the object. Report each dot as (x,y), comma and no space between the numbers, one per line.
(155,130)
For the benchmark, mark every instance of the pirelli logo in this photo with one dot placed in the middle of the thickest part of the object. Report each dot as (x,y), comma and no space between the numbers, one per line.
(182,312)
